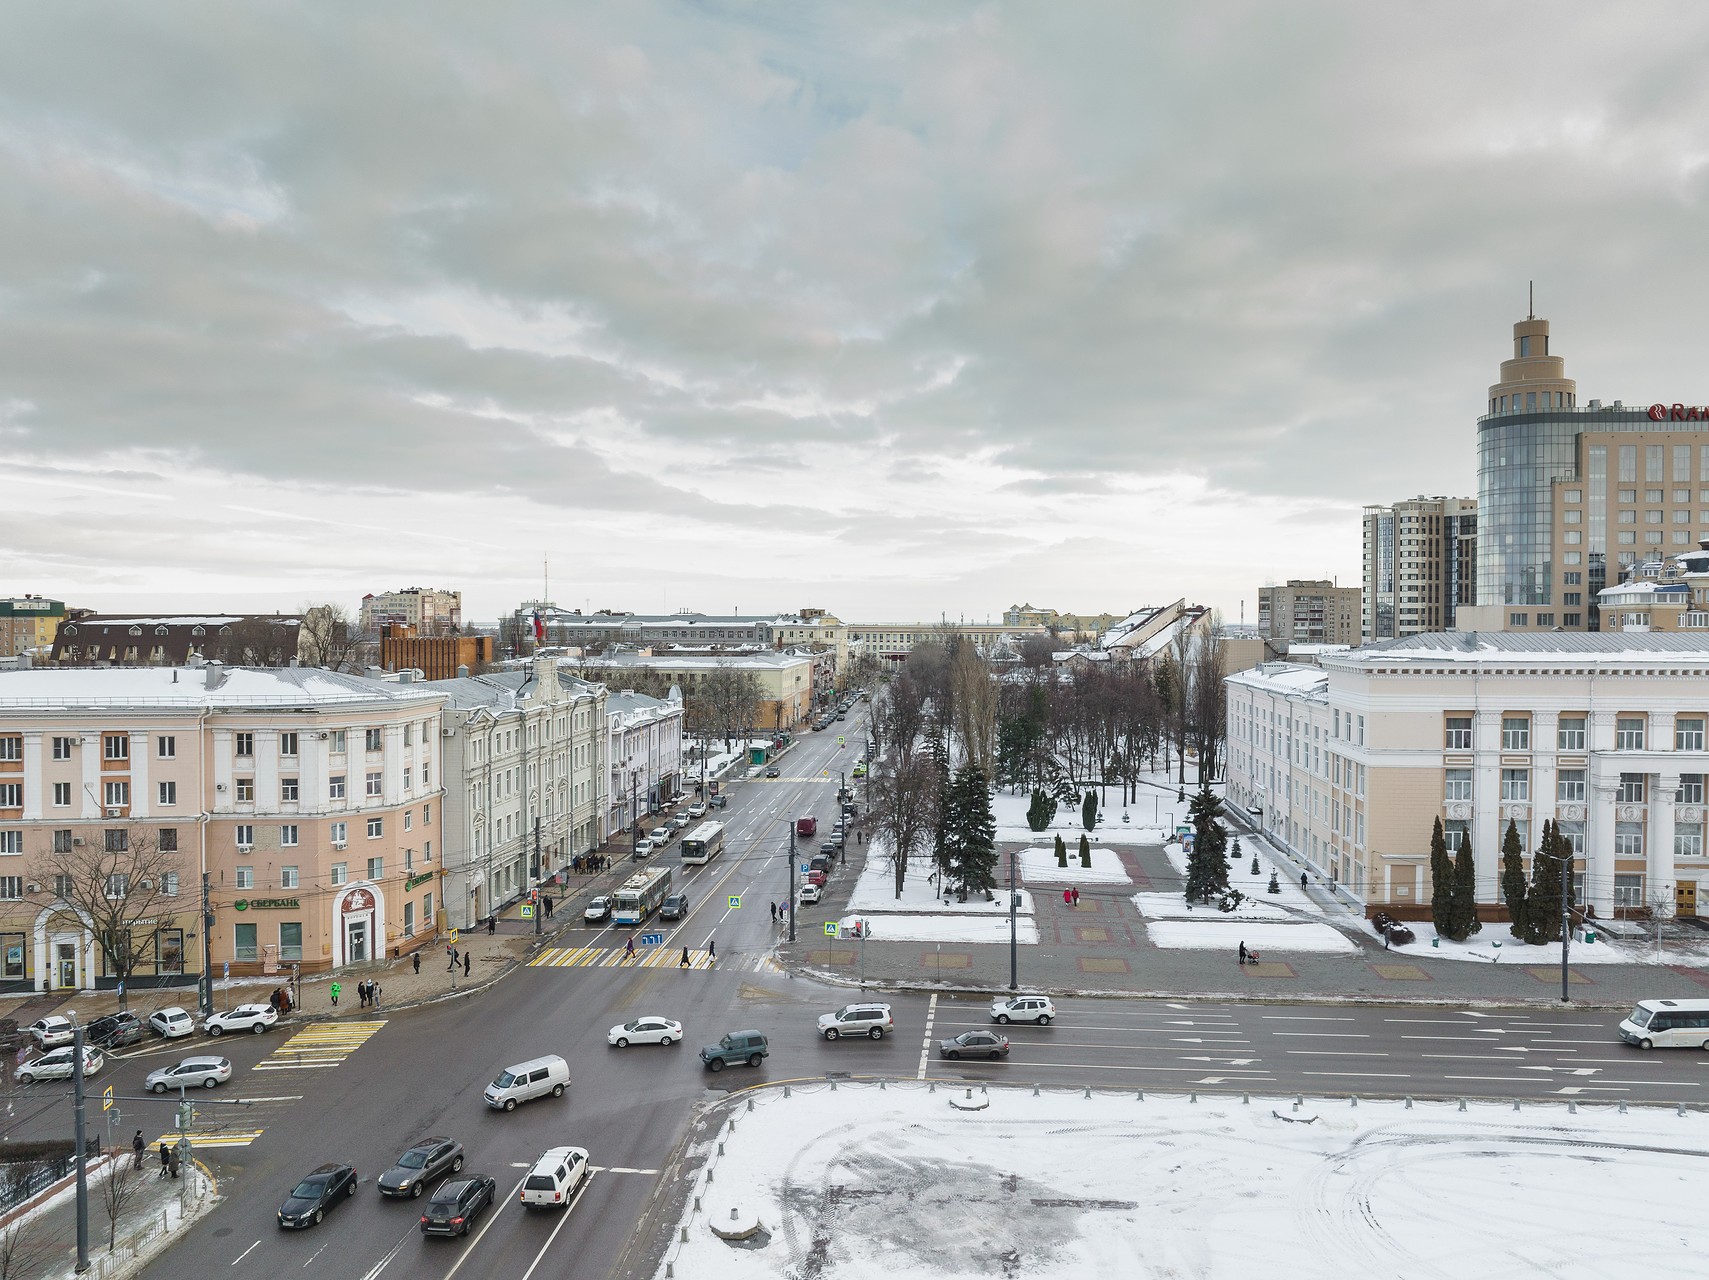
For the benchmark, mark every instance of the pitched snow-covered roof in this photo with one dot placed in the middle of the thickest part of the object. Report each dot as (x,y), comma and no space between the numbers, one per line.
(194,688)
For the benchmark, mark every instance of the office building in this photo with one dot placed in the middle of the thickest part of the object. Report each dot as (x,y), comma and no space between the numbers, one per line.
(1420,566)
(1302,611)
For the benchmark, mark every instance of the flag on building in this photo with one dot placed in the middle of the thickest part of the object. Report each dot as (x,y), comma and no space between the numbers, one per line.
(539,627)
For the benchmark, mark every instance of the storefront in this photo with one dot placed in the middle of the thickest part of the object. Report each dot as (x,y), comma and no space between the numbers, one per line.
(358,925)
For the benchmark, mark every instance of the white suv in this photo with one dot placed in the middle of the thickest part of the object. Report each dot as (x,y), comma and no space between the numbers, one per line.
(555,1177)
(1037,1009)
(870,1020)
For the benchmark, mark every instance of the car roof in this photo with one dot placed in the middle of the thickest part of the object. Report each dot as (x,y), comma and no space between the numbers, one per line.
(557,1155)
(419,1143)
(321,1171)
(451,1188)
(204,1060)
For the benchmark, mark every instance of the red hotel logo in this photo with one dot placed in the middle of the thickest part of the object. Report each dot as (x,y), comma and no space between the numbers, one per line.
(1679,413)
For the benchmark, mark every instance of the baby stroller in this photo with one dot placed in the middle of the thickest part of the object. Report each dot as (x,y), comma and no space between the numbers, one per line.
(1251,957)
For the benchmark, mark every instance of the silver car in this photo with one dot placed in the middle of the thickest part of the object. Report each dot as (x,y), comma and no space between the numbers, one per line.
(192,1073)
(56,1064)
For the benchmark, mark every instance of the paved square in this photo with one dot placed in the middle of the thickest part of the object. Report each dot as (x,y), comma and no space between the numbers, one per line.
(832,955)
(1103,964)
(1552,973)
(1091,933)
(1401,972)
(946,960)
(1270,969)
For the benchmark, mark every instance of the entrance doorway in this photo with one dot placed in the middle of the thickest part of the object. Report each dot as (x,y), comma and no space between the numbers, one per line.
(1685,898)
(356,941)
(65,961)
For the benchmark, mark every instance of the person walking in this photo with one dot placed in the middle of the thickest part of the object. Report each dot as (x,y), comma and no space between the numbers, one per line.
(452,953)
(1243,952)
(492,924)
(415,961)
(774,912)
(334,993)
(685,961)
(172,1161)
(1077,897)
(1068,897)
(712,949)
(465,964)
(165,1158)
(629,948)
(141,1149)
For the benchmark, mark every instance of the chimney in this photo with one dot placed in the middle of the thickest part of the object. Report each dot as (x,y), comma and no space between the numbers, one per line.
(293,663)
(462,672)
(373,673)
(215,675)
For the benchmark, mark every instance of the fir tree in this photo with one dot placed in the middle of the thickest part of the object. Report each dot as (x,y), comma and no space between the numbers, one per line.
(1543,898)
(1465,911)
(1041,812)
(1085,851)
(1089,810)
(970,832)
(1207,864)
(1513,879)
(1275,884)
(1234,850)
(1441,883)
(1255,870)
(1061,852)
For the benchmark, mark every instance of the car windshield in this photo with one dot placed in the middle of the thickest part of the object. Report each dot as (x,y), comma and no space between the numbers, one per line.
(1640,1017)
(504,1081)
(413,1159)
(308,1189)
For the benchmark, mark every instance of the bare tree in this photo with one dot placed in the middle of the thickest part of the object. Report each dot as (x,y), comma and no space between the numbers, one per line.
(974,705)
(903,714)
(903,809)
(122,888)
(26,1245)
(1036,650)
(330,638)
(1208,700)
(122,1184)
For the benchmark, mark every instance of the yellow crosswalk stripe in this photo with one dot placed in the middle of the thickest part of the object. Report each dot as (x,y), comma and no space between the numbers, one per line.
(323,1045)
(618,958)
(234,1138)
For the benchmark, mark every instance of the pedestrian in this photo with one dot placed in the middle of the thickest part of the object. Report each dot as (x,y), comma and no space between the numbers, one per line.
(465,964)
(547,899)
(141,1149)
(273,1001)
(1068,897)
(374,993)
(1302,879)
(492,924)
(685,961)
(172,1161)
(1243,953)
(415,961)
(165,1159)
(1077,897)
(362,994)
(712,948)
(629,948)
(334,993)
(451,953)
(774,912)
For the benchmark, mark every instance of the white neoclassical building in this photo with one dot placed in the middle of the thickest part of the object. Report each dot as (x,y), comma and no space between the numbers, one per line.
(1349,763)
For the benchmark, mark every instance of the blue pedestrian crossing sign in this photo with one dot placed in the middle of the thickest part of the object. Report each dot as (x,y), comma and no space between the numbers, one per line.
(735,902)
(528,911)
(830,928)
(652,939)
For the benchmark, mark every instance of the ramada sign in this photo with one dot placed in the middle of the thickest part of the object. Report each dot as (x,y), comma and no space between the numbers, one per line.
(1679,413)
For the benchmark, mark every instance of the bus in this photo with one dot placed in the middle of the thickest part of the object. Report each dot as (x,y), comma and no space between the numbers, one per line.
(702,844)
(640,896)
(1668,1024)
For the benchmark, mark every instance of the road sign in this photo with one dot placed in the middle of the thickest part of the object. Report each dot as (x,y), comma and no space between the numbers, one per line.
(107,1098)
(228,968)
(453,937)
(528,911)
(652,939)
(735,902)
(805,868)
(830,928)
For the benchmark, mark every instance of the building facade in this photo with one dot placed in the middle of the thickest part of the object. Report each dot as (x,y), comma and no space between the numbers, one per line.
(892,642)
(1350,763)
(428,612)
(309,800)
(645,755)
(1309,612)
(785,679)
(155,640)
(572,628)
(29,623)
(1419,565)
(437,657)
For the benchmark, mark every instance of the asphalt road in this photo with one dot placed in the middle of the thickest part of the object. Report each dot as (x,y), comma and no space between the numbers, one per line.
(423,1071)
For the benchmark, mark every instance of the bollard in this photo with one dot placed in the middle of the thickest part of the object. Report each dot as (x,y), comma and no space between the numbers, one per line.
(1679,1109)
(1297,1101)
(1462,1104)
(1246,1099)
(1516,1104)
(670,1270)
(721,1145)
(709,1175)
(750,1104)
(833,1084)
(786,1091)
(1035,1090)
(1088,1091)
(1409,1102)
(932,1087)
(732,1124)
(1140,1096)
(1572,1107)
(1193,1096)
(881,1084)
(733,1214)
(1622,1106)
(697,1204)
(684,1236)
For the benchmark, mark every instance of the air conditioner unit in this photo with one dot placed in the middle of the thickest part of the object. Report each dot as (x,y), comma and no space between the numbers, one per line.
(244,848)
(340,844)
(145,884)
(219,786)
(115,813)
(34,888)
(76,840)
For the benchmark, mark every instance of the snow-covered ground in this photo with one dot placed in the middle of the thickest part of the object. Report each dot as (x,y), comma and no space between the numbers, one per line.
(939,928)
(1495,945)
(863,1184)
(1010,811)
(875,891)
(1225,933)
(1038,866)
(1290,895)
(1172,906)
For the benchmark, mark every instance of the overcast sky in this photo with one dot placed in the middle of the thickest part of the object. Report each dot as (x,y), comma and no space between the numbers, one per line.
(896,310)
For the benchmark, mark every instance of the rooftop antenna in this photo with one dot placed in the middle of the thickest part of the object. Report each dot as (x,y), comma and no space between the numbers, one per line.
(1531,299)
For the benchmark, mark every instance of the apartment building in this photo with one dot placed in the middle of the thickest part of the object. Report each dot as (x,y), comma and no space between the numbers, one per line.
(1303,611)
(425,611)
(785,679)
(892,642)
(171,640)
(571,628)
(29,623)
(1349,763)
(308,799)
(645,756)
(1419,566)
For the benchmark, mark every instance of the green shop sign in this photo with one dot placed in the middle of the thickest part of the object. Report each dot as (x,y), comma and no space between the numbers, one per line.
(415,881)
(268,904)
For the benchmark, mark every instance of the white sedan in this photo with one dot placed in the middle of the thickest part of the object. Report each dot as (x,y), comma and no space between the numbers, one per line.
(56,1064)
(172,1022)
(246,1017)
(192,1073)
(650,1030)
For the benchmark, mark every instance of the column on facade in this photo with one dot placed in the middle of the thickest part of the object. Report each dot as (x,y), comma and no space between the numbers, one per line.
(1601,789)
(33,770)
(1487,825)
(1658,844)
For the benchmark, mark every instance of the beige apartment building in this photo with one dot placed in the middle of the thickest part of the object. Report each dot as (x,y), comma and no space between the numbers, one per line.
(1419,566)
(428,612)
(29,623)
(1303,611)
(785,679)
(1349,763)
(309,800)
(892,642)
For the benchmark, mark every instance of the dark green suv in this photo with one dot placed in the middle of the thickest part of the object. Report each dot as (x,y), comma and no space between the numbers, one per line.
(736,1046)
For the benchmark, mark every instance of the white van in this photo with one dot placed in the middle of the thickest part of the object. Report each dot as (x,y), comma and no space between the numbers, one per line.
(529,1080)
(1668,1024)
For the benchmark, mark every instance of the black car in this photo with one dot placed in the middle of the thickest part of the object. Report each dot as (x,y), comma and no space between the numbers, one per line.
(114,1031)
(314,1195)
(423,1162)
(456,1205)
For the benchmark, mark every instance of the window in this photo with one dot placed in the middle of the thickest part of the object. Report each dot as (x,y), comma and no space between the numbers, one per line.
(168,793)
(1629,733)
(376,868)
(1572,619)
(1545,619)
(340,872)
(288,790)
(427,907)
(287,744)
(1688,844)
(1627,517)
(62,748)
(338,741)
(1454,833)
(246,877)
(1628,889)
(1690,789)
(118,794)
(11,748)
(1569,733)
(374,776)
(424,773)
(340,835)
(427,851)
(1628,839)
(11,795)
(1458,785)
(166,747)
(288,836)
(64,886)
(11,843)
(245,790)
(290,940)
(288,877)
(372,739)
(1516,784)
(376,828)
(1459,734)
(1654,517)
(427,815)
(116,746)
(118,885)
(1631,789)
(409,919)
(1515,733)
(1688,733)
(245,836)
(1569,786)
(166,840)
(335,786)
(409,860)
(409,819)
(62,840)
(1518,619)
(243,942)
(246,744)
(169,881)
(11,888)
(1573,834)
(409,734)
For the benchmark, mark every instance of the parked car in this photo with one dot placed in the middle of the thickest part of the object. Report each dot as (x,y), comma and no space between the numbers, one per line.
(425,1160)
(816,877)
(870,1020)
(822,861)
(975,1044)
(172,1022)
(660,836)
(114,1031)
(529,1080)
(736,1046)
(810,893)
(52,1031)
(555,1177)
(697,810)
(246,1017)
(674,907)
(324,1188)
(191,1073)
(680,822)
(1037,1009)
(597,910)
(456,1205)
(644,847)
(56,1064)
(649,1030)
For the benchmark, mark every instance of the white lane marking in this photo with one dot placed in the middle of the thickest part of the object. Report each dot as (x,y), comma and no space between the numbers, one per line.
(1336,1053)
(384,1262)
(284,1097)
(1366,1075)
(240,1257)
(926,1044)
(481,1234)
(600,1168)
(1326,1035)
(568,1210)
(1304,1017)
(316,1254)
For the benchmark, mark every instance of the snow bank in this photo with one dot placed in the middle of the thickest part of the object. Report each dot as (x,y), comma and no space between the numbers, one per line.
(1038,866)
(937,928)
(1148,824)
(1223,933)
(1495,945)
(875,891)
(1172,906)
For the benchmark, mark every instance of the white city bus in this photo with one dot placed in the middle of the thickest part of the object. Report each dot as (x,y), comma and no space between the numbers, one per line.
(702,844)
(640,896)
(1668,1024)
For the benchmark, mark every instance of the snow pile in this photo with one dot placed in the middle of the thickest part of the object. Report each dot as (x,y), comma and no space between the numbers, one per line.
(1225,933)
(1172,906)
(1010,812)
(860,1184)
(1495,945)
(936,928)
(1038,866)
(875,891)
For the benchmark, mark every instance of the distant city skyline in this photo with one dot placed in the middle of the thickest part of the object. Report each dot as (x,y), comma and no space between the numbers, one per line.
(889,311)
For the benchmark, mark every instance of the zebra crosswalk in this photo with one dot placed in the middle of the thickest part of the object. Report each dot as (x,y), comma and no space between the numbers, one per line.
(618,958)
(326,1044)
(219,1122)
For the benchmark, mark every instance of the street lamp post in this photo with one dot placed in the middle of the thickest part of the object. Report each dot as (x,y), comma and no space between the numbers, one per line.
(790,869)
(1014,927)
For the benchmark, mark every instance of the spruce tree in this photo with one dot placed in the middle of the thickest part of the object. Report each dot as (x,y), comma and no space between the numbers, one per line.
(1441,883)
(1207,864)
(970,832)
(1085,851)
(1543,898)
(1466,921)
(1513,878)
(1041,811)
(1089,810)
(1061,852)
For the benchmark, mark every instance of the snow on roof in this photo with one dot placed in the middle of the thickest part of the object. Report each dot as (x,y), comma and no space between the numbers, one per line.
(1284,678)
(187,688)
(1434,648)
